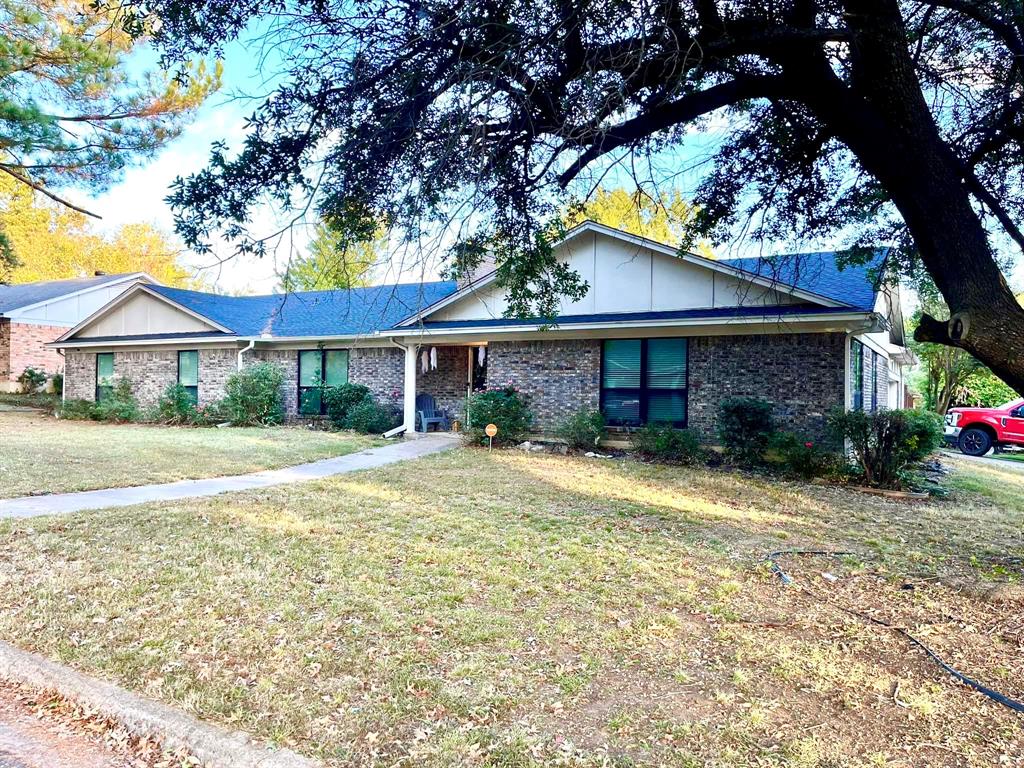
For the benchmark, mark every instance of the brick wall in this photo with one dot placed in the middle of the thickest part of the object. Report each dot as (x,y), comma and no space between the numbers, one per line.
(80,376)
(5,349)
(800,373)
(24,346)
(560,377)
(150,372)
(382,369)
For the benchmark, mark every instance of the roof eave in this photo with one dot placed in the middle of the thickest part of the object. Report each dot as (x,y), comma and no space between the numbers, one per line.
(852,317)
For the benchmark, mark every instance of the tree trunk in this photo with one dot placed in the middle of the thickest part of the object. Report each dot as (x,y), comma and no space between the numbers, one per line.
(885,121)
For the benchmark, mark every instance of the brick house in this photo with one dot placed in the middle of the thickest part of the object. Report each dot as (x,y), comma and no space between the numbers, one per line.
(659,336)
(34,314)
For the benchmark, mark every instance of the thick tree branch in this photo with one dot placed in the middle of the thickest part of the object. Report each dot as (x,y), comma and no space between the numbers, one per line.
(682,110)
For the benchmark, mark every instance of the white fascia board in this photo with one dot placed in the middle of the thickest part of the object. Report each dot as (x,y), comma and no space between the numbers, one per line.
(142,342)
(123,297)
(133,277)
(838,319)
(692,258)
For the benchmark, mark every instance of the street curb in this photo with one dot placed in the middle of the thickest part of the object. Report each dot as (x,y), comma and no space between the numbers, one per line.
(174,730)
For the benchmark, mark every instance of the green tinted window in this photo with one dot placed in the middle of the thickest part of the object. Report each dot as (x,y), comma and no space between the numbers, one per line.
(105,369)
(188,368)
(666,363)
(336,367)
(643,381)
(309,368)
(621,364)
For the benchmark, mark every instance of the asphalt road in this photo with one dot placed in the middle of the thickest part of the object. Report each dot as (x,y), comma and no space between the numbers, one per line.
(30,741)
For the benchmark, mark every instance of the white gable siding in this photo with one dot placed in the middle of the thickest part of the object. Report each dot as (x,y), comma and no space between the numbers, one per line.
(70,310)
(142,314)
(623,278)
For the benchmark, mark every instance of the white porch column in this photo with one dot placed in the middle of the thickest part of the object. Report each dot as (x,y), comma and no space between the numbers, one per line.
(409,396)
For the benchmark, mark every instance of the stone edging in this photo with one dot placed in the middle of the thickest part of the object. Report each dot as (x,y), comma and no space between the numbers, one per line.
(174,730)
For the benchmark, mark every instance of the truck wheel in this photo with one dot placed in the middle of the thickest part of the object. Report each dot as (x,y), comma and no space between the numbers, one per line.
(975,442)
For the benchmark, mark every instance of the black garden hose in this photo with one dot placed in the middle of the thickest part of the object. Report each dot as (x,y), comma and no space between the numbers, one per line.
(786,579)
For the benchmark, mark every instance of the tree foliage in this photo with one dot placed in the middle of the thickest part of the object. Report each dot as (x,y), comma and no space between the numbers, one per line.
(665,218)
(893,120)
(70,112)
(335,261)
(54,242)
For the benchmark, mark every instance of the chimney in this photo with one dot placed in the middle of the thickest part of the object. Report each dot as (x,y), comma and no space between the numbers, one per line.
(484,268)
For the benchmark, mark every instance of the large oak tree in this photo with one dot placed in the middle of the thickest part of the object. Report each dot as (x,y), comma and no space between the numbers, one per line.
(863,119)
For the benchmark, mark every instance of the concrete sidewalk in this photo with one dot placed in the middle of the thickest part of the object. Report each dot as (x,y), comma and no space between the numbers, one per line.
(64,503)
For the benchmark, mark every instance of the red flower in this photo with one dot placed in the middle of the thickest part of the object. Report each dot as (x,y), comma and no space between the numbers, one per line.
(808,445)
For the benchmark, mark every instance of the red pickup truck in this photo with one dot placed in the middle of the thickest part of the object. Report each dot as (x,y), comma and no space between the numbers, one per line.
(975,431)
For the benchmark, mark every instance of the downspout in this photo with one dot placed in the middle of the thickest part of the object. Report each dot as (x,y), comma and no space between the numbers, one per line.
(243,350)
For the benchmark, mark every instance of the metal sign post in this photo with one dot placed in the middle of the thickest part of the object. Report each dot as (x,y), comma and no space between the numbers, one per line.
(490,430)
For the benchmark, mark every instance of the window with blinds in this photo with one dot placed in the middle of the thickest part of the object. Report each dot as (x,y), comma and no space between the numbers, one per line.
(644,381)
(319,369)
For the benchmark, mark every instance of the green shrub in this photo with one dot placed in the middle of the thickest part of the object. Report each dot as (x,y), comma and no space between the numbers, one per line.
(665,443)
(339,402)
(119,406)
(745,425)
(58,383)
(370,417)
(885,443)
(254,396)
(504,406)
(32,379)
(77,410)
(805,458)
(175,406)
(583,430)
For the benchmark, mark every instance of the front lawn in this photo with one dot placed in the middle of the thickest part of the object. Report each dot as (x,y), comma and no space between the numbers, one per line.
(41,454)
(509,609)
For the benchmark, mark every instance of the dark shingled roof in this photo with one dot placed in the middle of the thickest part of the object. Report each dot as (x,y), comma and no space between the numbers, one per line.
(725,313)
(854,285)
(354,312)
(17,296)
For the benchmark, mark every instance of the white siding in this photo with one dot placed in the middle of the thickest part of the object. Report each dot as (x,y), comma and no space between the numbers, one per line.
(625,278)
(71,310)
(143,314)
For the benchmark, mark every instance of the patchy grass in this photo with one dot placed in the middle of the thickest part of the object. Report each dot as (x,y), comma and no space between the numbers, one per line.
(41,454)
(522,610)
(44,400)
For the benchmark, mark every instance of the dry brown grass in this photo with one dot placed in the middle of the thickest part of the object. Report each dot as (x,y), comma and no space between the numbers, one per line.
(41,454)
(516,610)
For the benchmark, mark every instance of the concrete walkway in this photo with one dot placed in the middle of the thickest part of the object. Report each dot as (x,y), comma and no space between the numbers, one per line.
(64,503)
(1003,465)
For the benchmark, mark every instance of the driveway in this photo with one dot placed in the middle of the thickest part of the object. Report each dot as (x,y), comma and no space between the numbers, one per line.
(993,463)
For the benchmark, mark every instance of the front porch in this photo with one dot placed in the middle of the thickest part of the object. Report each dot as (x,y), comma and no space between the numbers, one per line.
(446,372)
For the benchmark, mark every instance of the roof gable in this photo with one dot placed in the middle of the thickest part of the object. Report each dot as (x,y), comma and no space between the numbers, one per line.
(143,312)
(24,295)
(628,274)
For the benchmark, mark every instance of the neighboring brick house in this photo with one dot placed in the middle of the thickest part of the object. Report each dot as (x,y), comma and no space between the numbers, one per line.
(659,336)
(34,314)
